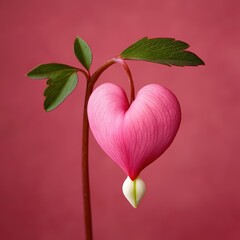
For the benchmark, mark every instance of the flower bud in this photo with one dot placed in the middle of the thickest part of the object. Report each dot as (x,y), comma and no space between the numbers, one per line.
(134,190)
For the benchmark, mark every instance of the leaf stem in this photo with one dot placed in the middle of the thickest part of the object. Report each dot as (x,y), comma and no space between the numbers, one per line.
(86,74)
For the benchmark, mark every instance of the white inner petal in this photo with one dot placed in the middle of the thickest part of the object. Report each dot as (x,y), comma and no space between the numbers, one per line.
(134,190)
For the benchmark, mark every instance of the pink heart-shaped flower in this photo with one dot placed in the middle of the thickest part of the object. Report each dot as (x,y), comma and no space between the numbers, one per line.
(134,135)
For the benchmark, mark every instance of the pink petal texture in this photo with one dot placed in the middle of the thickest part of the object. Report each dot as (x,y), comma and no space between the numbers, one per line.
(134,135)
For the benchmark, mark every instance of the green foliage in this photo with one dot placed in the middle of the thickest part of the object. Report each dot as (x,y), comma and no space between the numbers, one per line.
(167,51)
(58,89)
(62,80)
(50,70)
(83,52)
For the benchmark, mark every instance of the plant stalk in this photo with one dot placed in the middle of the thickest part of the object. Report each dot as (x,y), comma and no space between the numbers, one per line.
(85,148)
(85,169)
(91,80)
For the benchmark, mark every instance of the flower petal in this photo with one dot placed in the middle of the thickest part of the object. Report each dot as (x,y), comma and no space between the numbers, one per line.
(136,135)
(134,190)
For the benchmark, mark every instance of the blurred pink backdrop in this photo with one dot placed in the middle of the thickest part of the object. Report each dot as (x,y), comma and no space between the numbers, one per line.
(193,190)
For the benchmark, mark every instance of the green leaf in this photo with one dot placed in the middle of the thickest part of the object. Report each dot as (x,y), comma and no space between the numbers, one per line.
(83,52)
(50,70)
(62,80)
(167,51)
(58,89)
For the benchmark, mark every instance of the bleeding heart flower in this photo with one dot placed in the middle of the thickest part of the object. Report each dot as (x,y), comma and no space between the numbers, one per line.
(133,135)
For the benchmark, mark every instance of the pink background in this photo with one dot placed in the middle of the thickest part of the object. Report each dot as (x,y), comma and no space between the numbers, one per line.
(193,191)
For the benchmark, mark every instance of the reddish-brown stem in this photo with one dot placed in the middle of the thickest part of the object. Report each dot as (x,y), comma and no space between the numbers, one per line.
(85,140)
(132,89)
(91,80)
(85,171)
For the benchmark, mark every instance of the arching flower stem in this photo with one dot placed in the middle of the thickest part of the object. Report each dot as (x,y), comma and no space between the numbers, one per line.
(132,89)
(91,80)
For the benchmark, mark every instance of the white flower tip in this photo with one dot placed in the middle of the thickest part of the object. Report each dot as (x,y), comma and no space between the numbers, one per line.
(134,190)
